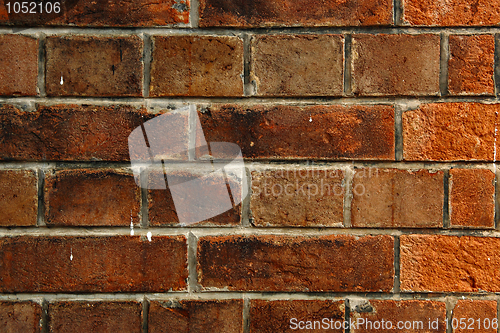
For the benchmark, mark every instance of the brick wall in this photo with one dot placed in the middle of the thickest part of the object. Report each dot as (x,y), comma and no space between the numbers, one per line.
(368,130)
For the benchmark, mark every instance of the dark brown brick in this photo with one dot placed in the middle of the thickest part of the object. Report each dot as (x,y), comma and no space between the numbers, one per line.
(391,198)
(321,132)
(18,65)
(93,264)
(395,64)
(298,65)
(84,317)
(188,316)
(477,314)
(197,66)
(260,13)
(295,263)
(94,66)
(20,317)
(18,198)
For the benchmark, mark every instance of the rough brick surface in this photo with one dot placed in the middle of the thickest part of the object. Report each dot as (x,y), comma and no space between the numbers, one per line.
(294,13)
(197,66)
(288,263)
(297,197)
(92,264)
(390,198)
(472,198)
(18,65)
(471,65)
(477,314)
(91,198)
(196,316)
(298,65)
(449,263)
(18,198)
(16,317)
(94,66)
(283,131)
(106,317)
(395,64)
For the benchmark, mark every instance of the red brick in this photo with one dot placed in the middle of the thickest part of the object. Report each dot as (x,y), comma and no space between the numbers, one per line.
(196,316)
(375,315)
(477,314)
(451,13)
(298,65)
(391,198)
(18,65)
(471,65)
(229,13)
(321,132)
(295,263)
(18,198)
(16,317)
(472,198)
(93,264)
(83,317)
(450,132)
(285,315)
(395,64)
(88,197)
(197,66)
(94,66)
(298,197)
(449,264)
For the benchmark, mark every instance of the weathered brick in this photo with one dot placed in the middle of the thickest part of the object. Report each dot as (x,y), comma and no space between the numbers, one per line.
(450,132)
(83,317)
(18,65)
(449,264)
(92,264)
(197,66)
(298,197)
(260,13)
(298,65)
(477,314)
(472,198)
(391,198)
(16,317)
(289,315)
(88,197)
(283,131)
(471,65)
(94,66)
(395,64)
(18,198)
(196,316)
(295,263)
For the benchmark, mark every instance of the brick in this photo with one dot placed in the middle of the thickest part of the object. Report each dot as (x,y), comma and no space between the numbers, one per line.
(82,317)
(478,314)
(450,132)
(18,65)
(18,317)
(471,65)
(472,198)
(381,315)
(197,66)
(196,316)
(93,264)
(94,66)
(285,315)
(391,198)
(87,197)
(293,132)
(395,64)
(451,13)
(300,197)
(294,263)
(18,198)
(228,13)
(298,65)
(449,263)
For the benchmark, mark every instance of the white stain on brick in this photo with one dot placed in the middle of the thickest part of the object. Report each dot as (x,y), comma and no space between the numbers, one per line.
(149,235)
(71,255)
(62,81)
